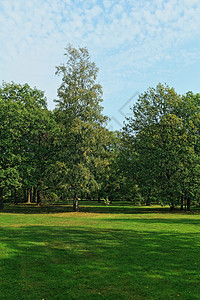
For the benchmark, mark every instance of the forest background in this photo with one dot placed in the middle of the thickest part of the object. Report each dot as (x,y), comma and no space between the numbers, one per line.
(69,153)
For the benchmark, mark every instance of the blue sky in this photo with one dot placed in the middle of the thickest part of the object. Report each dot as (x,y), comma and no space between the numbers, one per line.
(135,44)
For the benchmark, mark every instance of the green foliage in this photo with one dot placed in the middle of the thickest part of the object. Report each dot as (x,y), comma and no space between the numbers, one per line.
(81,121)
(23,94)
(162,144)
(106,201)
(26,136)
(69,153)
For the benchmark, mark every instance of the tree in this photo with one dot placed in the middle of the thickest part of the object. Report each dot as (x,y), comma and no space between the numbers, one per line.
(190,116)
(129,170)
(11,116)
(163,132)
(79,114)
(27,134)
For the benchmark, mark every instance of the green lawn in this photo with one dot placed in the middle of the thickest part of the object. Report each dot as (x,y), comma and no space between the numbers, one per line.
(100,253)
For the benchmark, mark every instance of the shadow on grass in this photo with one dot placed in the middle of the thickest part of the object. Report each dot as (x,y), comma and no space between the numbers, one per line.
(34,209)
(172,221)
(87,208)
(55,262)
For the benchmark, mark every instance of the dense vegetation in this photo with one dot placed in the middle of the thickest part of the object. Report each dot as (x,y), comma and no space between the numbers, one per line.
(70,154)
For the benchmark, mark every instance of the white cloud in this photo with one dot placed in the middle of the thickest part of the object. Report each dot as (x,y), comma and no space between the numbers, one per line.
(124,37)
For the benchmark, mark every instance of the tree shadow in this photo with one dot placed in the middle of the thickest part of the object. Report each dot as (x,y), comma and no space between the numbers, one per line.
(34,209)
(58,262)
(167,221)
(89,208)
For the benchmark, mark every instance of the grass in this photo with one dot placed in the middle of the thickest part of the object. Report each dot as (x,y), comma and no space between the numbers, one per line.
(100,253)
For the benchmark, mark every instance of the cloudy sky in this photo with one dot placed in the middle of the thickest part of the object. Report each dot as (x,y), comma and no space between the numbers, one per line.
(135,44)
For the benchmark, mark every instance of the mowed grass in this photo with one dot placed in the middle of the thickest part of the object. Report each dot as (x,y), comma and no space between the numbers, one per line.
(99,253)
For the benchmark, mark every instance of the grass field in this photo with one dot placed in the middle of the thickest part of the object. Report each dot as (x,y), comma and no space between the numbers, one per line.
(115,252)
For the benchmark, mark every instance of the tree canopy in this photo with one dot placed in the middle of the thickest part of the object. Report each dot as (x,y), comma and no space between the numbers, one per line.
(69,153)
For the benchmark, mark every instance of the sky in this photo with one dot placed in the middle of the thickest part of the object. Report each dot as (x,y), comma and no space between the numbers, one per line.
(135,44)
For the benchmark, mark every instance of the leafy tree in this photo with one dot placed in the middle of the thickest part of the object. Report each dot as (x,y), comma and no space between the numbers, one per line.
(26,136)
(79,114)
(30,97)
(106,170)
(128,164)
(11,116)
(190,116)
(163,133)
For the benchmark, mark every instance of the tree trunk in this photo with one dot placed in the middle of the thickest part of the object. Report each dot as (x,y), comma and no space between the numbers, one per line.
(188,203)
(34,194)
(25,195)
(31,194)
(148,200)
(110,198)
(16,197)
(181,202)
(172,207)
(75,205)
(99,199)
(28,196)
(1,199)
(39,199)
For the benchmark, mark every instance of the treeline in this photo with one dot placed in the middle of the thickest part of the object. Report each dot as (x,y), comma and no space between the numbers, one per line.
(161,142)
(70,154)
